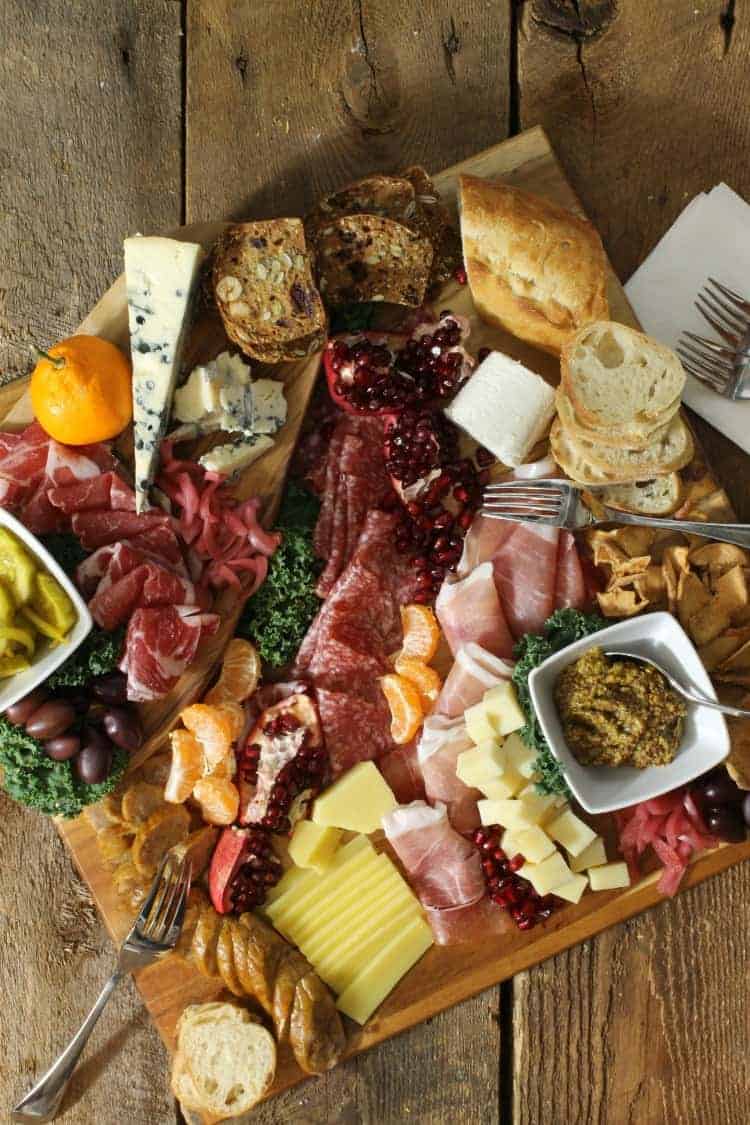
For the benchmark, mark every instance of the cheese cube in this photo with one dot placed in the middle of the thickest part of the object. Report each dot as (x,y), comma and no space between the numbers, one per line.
(592,856)
(609,876)
(573,889)
(518,755)
(357,801)
(482,761)
(571,832)
(478,726)
(508,813)
(312,845)
(540,806)
(501,787)
(546,876)
(502,709)
(509,844)
(534,844)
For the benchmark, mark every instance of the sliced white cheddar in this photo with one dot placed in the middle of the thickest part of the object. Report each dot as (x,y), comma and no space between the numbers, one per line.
(502,709)
(346,864)
(540,806)
(508,813)
(534,844)
(609,876)
(573,889)
(338,905)
(368,990)
(547,875)
(357,801)
(594,855)
(570,831)
(347,962)
(478,726)
(361,941)
(298,881)
(312,845)
(518,755)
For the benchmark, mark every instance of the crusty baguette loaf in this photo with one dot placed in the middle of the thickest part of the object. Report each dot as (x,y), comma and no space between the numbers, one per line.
(225,1060)
(658,497)
(636,435)
(590,463)
(614,375)
(265,292)
(534,268)
(369,258)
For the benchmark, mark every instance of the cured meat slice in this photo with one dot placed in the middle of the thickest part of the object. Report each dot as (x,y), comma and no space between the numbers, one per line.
(570,585)
(453,926)
(113,561)
(344,717)
(324,525)
(336,552)
(400,768)
(470,610)
(159,645)
(483,539)
(525,566)
(96,529)
(441,742)
(104,491)
(39,515)
(65,465)
(147,585)
(474,671)
(161,542)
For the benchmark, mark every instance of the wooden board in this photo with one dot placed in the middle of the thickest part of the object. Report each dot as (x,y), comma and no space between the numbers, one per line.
(443,977)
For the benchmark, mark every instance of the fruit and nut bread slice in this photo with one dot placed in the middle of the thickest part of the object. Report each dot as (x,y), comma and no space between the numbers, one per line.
(391,197)
(369,258)
(225,1061)
(265,291)
(432,220)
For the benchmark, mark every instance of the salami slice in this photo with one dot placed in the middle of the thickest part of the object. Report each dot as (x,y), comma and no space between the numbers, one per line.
(344,718)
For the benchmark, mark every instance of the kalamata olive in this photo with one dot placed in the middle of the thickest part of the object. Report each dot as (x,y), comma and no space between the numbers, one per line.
(123,726)
(719,789)
(726,822)
(94,761)
(52,718)
(746,810)
(62,747)
(26,707)
(111,689)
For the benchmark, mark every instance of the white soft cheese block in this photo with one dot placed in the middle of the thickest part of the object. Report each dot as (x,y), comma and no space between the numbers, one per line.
(235,456)
(160,277)
(505,407)
(594,855)
(609,876)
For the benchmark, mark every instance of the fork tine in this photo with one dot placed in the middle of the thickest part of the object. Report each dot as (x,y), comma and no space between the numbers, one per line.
(151,896)
(176,902)
(498,488)
(494,515)
(166,885)
(735,298)
(714,383)
(719,321)
(730,314)
(715,370)
(710,345)
(723,360)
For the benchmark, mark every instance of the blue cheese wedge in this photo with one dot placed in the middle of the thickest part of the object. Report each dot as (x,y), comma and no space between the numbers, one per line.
(235,456)
(505,407)
(160,275)
(269,406)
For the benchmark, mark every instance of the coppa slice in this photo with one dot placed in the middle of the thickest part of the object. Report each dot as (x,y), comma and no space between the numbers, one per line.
(161,276)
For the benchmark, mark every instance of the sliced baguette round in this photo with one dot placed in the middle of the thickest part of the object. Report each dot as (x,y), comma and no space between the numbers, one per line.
(575,457)
(633,436)
(614,375)
(225,1061)
(658,497)
(574,463)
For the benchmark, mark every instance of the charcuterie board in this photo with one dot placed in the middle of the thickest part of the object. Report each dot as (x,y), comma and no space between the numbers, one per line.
(444,976)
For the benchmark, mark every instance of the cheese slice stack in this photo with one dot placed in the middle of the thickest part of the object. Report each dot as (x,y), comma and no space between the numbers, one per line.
(358,923)
(160,277)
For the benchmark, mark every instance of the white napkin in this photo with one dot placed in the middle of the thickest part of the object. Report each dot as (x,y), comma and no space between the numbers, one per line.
(711,238)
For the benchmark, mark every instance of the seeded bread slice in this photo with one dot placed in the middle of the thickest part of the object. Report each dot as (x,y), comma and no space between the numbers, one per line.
(624,436)
(432,220)
(265,291)
(614,375)
(391,197)
(588,462)
(658,497)
(369,258)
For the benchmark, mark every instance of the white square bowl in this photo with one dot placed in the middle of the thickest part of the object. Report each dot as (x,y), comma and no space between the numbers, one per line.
(49,656)
(705,741)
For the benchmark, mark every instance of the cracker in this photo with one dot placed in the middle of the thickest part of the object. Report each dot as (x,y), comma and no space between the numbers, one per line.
(368,258)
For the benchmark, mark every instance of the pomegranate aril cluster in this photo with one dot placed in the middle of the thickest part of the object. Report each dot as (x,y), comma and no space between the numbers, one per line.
(366,376)
(260,871)
(505,886)
(436,369)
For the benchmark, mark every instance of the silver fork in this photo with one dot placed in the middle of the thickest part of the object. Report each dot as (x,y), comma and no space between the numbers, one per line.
(155,931)
(558,503)
(721,366)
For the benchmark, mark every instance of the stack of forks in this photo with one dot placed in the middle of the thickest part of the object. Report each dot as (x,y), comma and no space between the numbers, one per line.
(724,366)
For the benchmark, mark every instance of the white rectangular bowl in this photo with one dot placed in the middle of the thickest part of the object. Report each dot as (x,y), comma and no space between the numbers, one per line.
(705,741)
(49,656)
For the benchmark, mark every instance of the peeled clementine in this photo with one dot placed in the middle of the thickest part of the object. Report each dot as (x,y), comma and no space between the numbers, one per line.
(421,632)
(81,391)
(406,707)
(425,679)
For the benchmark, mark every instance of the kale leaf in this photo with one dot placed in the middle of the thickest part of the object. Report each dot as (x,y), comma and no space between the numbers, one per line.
(66,549)
(96,656)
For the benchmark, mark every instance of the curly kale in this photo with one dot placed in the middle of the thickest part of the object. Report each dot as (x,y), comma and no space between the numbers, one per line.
(33,779)
(561,629)
(66,549)
(99,654)
(299,509)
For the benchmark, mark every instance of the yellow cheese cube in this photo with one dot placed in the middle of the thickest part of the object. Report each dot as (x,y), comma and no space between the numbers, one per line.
(546,876)
(609,876)
(508,813)
(501,787)
(592,856)
(534,844)
(357,801)
(502,710)
(573,889)
(509,844)
(520,756)
(570,831)
(384,971)
(482,761)
(478,726)
(540,806)
(312,845)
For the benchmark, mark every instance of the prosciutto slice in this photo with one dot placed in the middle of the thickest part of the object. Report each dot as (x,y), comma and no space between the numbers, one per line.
(525,567)
(474,671)
(441,742)
(570,585)
(484,538)
(104,491)
(401,769)
(159,645)
(445,870)
(470,610)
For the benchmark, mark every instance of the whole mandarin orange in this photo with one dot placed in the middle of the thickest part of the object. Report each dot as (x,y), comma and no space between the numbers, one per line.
(81,390)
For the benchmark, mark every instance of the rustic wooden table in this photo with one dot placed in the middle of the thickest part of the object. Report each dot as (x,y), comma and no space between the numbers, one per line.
(137,115)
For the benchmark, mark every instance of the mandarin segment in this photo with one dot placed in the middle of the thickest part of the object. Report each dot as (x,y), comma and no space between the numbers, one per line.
(186,767)
(406,707)
(218,798)
(240,673)
(212,727)
(421,632)
(425,679)
(235,712)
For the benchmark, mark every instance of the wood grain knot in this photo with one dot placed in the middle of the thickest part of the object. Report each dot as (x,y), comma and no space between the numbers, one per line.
(578,19)
(370,87)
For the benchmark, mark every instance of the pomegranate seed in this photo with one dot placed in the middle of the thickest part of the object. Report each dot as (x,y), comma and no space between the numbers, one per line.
(516,863)
(460,275)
